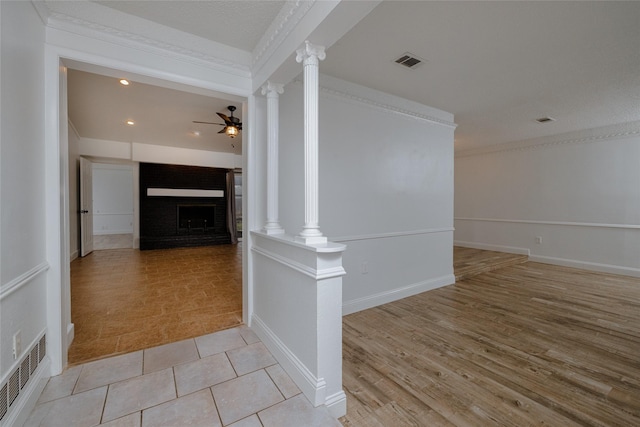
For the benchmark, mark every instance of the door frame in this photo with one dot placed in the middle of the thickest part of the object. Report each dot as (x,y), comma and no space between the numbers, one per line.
(85,220)
(60,330)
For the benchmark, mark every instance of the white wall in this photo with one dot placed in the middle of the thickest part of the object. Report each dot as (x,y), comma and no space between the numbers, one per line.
(149,153)
(23,260)
(386,188)
(112,199)
(579,192)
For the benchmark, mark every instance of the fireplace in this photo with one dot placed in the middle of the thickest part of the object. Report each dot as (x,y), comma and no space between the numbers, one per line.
(182,206)
(196,218)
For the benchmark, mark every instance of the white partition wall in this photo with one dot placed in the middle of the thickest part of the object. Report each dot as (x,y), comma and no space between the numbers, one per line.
(297,305)
(386,188)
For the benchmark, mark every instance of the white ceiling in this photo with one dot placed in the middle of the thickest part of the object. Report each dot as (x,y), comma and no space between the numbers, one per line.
(496,65)
(99,107)
(214,20)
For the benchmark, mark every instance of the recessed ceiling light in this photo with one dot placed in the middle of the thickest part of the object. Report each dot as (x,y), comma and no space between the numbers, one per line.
(124,82)
(545,120)
(131,122)
(196,132)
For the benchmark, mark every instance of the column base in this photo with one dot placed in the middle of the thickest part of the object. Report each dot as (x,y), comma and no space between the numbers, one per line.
(311,240)
(273,230)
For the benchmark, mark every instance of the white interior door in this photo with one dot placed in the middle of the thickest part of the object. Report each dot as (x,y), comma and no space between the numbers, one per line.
(86,207)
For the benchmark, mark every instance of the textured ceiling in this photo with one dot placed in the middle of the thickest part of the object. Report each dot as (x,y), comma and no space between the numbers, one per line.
(497,66)
(239,23)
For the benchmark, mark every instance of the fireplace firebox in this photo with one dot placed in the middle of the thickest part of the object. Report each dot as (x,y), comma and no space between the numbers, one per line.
(196,218)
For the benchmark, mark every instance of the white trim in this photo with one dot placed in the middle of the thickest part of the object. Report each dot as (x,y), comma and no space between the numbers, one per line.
(185,47)
(112,232)
(375,300)
(23,279)
(285,22)
(73,255)
(391,234)
(586,265)
(605,133)
(26,401)
(386,107)
(183,192)
(313,388)
(337,404)
(563,223)
(490,247)
(315,274)
(71,334)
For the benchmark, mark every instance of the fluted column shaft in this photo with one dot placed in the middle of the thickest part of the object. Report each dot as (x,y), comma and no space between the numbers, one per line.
(310,56)
(272,91)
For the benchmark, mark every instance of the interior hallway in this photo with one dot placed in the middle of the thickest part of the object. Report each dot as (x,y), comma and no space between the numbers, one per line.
(123,300)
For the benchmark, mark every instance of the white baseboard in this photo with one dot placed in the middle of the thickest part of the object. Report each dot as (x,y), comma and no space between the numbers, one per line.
(313,388)
(370,301)
(337,404)
(28,397)
(585,265)
(108,232)
(490,247)
(73,255)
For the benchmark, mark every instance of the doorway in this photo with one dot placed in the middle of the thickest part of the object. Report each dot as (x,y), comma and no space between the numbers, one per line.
(122,299)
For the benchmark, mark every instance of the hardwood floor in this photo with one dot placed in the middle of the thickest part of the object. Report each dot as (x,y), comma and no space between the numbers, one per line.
(530,344)
(124,300)
(468,262)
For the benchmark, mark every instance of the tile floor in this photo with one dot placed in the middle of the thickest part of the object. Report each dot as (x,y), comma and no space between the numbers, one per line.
(227,378)
(123,300)
(112,241)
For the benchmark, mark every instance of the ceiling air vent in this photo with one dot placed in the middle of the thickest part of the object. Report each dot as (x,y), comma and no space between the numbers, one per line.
(545,120)
(408,60)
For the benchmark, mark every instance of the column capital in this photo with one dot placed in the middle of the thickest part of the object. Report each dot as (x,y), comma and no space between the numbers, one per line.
(310,53)
(272,89)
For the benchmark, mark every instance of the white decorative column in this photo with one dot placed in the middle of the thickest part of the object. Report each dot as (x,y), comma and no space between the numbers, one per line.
(310,56)
(272,90)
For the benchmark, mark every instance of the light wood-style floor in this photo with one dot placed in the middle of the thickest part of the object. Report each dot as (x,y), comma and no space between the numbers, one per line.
(124,300)
(468,262)
(529,344)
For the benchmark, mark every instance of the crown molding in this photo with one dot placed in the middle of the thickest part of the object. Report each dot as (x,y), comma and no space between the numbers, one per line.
(76,18)
(387,107)
(351,92)
(43,11)
(605,133)
(286,20)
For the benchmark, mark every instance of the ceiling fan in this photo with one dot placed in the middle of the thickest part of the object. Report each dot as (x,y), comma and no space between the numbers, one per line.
(232,125)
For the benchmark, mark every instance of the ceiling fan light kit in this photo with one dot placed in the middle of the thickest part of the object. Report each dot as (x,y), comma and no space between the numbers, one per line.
(232,125)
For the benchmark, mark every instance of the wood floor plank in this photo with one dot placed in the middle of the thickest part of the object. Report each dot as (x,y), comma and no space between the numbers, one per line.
(529,344)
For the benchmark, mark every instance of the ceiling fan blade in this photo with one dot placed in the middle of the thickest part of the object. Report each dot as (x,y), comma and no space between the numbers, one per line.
(209,123)
(223,130)
(224,117)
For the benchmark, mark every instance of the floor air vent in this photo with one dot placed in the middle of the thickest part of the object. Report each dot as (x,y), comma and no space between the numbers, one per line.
(20,377)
